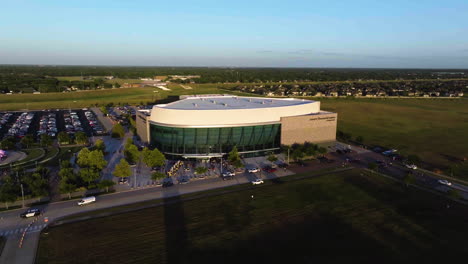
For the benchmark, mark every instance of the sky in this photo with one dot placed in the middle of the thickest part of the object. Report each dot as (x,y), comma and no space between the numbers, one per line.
(240,33)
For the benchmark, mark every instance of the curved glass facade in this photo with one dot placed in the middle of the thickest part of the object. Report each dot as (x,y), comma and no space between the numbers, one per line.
(202,141)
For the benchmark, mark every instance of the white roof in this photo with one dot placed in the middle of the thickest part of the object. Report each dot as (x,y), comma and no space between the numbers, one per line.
(231,102)
(222,111)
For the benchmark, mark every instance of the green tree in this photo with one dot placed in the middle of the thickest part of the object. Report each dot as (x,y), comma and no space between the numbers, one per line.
(46,140)
(100,145)
(104,110)
(89,175)
(233,156)
(83,158)
(153,157)
(157,175)
(272,158)
(128,142)
(132,154)
(81,138)
(322,150)
(238,164)
(97,160)
(8,143)
(106,184)
(8,192)
(37,184)
(310,149)
(122,170)
(63,138)
(297,154)
(201,170)
(66,187)
(27,141)
(118,131)
(67,173)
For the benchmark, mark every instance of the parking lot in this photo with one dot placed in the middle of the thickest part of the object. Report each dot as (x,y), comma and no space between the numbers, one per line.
(50,122)
(184,172)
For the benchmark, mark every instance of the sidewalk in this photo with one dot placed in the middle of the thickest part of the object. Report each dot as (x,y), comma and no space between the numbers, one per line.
(12,254)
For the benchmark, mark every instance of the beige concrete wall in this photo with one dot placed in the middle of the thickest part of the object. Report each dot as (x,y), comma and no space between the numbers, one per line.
(315,128)
(142,126)
(228,117)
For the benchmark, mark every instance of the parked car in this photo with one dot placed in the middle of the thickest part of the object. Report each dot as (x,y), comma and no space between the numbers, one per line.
(253,170)
(269,169)
(167,184)
(123,180)
(31,213)
(257,181)
(228,174)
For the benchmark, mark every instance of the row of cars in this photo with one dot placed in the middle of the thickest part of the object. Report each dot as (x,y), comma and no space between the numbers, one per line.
(21,126)
(93,123)
(4,118)
(72,122)
(48,125)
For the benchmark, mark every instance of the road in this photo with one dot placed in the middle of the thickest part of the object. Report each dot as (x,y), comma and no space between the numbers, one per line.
(12,226)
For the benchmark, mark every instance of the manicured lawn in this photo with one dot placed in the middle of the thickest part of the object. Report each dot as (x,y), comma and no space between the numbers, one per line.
(65,153)
(32,154)
(338,218)
(433,129)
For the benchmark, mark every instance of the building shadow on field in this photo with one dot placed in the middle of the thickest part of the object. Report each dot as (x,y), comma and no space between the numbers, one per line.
(176,238)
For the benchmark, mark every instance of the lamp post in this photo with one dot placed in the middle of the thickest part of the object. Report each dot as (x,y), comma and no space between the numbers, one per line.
(22,193)
(134,178)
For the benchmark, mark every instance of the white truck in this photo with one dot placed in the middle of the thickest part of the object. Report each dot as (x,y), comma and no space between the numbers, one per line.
(87,200)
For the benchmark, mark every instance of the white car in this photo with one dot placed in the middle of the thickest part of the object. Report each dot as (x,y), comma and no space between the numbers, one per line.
(445,182)
(253,170)
(411,166)
(257,181)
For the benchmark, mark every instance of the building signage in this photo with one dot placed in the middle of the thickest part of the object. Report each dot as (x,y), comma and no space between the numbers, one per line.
(329,118)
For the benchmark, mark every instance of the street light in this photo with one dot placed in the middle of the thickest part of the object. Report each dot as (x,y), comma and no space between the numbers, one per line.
(22,193)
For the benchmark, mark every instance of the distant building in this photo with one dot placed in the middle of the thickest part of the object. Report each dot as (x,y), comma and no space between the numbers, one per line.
(184,77)
(132,85)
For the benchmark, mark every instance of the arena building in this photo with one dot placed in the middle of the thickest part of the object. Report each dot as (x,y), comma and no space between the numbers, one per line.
(205,126)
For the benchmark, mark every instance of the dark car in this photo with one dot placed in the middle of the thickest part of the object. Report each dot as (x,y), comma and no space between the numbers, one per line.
(167,184)
(123,180)
(283,165)
(30,213)
(269,169)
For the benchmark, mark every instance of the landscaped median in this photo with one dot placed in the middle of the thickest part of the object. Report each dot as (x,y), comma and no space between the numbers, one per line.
(332,217)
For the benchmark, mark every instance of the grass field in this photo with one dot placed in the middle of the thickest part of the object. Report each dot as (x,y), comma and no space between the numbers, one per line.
(342,218)
(433,129)
(116,80)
